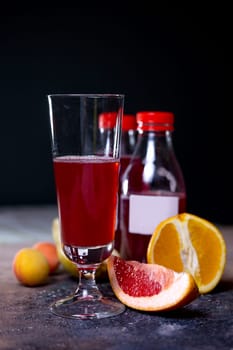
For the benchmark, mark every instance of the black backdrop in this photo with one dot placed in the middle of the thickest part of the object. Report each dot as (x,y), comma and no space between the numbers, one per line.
(176,58)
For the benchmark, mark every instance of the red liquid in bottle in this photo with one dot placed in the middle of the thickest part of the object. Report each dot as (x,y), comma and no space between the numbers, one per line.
(134,245)
(128,143)
(87,199)
(124,162)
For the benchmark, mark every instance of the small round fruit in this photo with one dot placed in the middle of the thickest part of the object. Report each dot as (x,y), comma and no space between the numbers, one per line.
(150,287)
(56,231)
(50,252)
(30,267)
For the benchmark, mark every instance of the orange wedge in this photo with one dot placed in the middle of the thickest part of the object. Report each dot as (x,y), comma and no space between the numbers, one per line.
(150,287)
(187,242)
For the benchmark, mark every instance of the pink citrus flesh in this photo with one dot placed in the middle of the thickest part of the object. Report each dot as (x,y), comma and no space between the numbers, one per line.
(150,287)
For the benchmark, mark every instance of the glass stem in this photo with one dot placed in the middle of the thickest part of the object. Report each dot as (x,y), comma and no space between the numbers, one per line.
(87,287)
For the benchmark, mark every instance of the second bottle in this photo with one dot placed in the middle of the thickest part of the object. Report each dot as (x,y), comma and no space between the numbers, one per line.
(153,186)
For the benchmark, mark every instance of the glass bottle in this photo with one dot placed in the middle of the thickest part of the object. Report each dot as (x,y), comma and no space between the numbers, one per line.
(153,186)
(128,143)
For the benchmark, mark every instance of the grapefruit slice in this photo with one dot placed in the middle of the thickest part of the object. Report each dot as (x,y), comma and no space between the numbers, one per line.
(150,287)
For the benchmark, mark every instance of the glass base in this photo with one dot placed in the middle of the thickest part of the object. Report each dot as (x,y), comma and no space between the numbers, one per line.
(87,302)
(82,308)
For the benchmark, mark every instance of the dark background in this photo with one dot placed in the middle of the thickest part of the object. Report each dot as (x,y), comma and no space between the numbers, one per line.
(176,58)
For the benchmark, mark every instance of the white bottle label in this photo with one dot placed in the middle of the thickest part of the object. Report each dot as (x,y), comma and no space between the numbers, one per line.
(146,212)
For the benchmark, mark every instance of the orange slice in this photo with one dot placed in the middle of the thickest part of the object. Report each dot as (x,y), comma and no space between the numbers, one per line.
(186,242)
(150,287)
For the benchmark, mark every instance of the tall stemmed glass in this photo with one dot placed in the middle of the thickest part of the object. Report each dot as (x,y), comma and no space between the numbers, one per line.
(86,174)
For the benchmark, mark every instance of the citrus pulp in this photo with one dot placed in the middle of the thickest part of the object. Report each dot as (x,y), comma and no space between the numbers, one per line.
(186,242)
(150,287)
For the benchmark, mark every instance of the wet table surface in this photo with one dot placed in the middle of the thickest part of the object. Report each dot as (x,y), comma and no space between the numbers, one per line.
(26,322)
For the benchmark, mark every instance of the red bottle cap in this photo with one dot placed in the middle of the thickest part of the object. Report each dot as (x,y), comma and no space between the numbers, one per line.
(107,120)
(155,120)
(129,122)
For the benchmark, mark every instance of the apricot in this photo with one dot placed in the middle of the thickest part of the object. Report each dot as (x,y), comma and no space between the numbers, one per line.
(30,267)
(49,250)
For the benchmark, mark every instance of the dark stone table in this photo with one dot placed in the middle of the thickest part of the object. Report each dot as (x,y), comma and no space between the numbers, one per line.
(26,322)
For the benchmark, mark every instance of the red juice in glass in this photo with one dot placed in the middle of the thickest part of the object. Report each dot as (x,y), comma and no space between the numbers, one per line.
(87,199)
